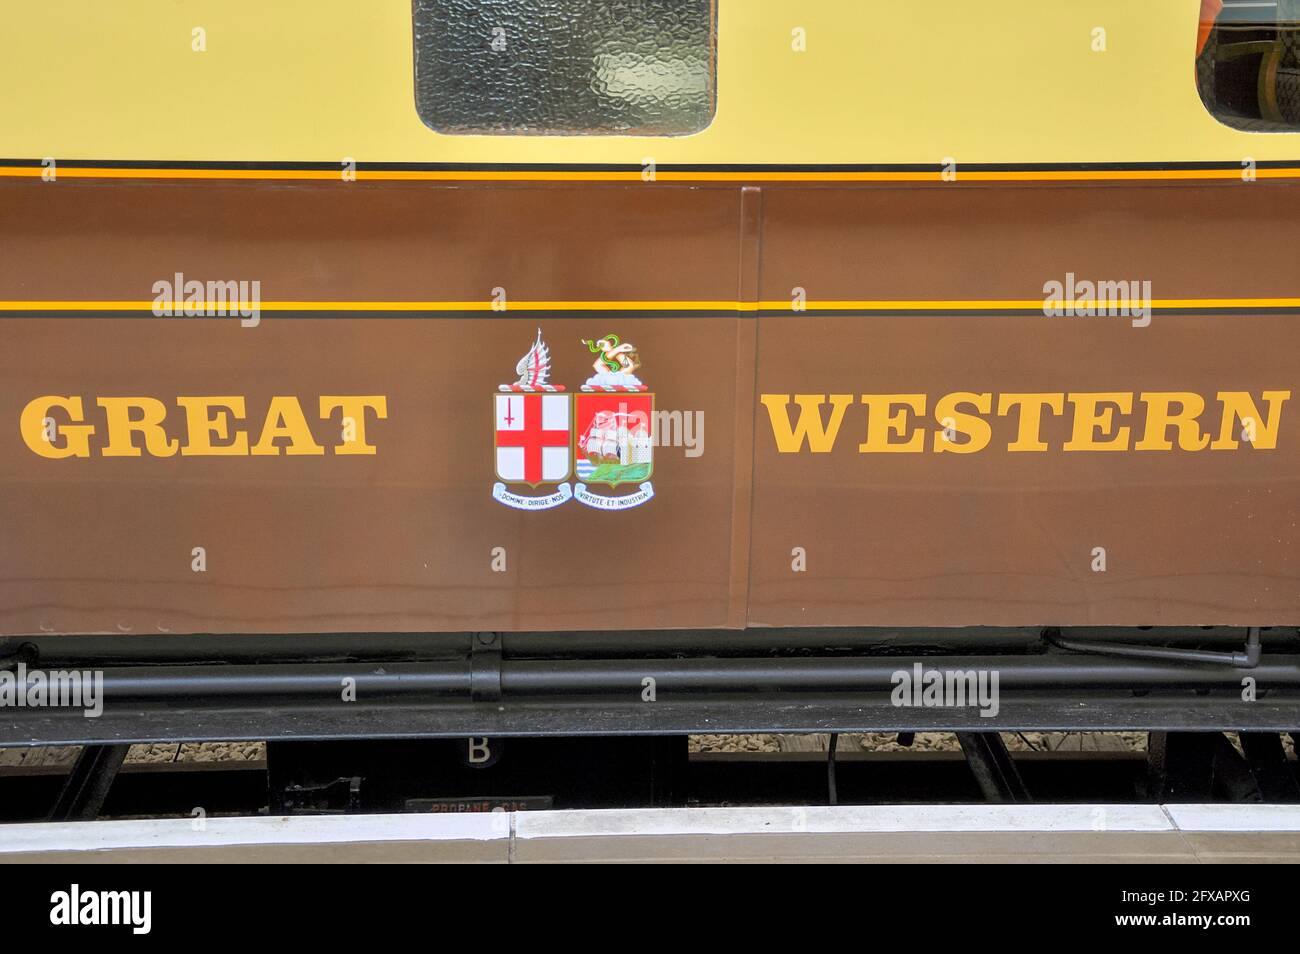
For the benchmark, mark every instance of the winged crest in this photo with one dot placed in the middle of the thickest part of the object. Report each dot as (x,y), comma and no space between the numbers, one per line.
(534,368)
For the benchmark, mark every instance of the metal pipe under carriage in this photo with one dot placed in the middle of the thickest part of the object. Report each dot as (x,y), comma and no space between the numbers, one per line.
(529,677)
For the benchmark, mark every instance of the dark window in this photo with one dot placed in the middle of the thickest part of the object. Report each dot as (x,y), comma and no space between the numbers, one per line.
(565,67)
(1248,63)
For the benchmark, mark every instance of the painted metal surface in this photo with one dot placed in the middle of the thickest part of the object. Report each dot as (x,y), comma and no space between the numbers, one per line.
(334,464)
(403,538)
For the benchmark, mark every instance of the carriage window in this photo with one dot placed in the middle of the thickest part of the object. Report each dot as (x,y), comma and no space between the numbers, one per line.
(565,67)
(1248,63)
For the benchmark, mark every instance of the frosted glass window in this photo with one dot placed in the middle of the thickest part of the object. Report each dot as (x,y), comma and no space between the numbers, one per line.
(565,67)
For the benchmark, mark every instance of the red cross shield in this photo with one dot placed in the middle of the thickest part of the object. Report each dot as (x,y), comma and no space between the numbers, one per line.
(534,438)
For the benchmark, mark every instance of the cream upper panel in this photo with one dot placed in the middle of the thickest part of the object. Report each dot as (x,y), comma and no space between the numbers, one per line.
(881,81)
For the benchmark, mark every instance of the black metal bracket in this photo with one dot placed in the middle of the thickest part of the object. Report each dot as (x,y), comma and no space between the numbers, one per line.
(485,667)
(1270,766)
(1201,767)
(88,783)
(832,791)
(993,768)
(1243,660)
(339,797)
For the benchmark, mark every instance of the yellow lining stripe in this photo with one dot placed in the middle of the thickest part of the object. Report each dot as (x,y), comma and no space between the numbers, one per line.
(739,306)
(489,175)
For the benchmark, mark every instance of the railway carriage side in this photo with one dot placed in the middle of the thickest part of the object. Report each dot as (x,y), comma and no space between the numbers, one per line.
(611,324)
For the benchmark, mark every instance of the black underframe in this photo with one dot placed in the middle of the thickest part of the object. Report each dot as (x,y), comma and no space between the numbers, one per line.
(227,688)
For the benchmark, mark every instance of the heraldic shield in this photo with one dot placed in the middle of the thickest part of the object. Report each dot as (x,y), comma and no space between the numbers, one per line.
(534,446)
(615,438)
(605,434)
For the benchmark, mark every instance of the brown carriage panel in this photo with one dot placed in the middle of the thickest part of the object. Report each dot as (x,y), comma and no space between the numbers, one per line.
(986,241)
(369,241)
(400,540)
(1008,537)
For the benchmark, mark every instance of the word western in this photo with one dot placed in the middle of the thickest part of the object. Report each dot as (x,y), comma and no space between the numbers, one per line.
(213,299)
(55,426)
(1094,421)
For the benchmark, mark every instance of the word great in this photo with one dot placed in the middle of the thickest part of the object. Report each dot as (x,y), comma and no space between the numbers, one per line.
(1093,421)
(55,426)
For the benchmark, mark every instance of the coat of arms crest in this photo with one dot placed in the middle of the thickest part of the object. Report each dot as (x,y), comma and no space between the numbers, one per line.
(612,418)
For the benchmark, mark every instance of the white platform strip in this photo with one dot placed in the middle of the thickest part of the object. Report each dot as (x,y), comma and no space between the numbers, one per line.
(931,833)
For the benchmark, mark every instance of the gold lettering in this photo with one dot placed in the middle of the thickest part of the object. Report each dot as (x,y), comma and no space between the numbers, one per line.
(790,440)
(1088,418)
(121,425)
(284,418)
(882,422)
(32,425)
(979,430)
(1160,418)
(354,407)
(1029,434)
(202,424)
(1239,405)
